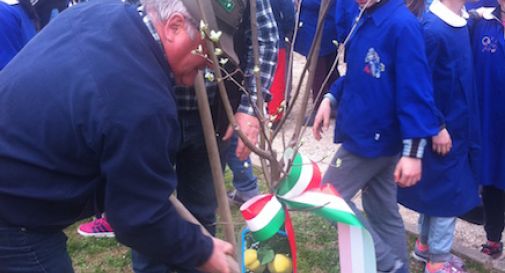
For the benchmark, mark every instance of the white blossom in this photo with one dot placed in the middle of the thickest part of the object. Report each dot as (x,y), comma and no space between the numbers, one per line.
(209,76)
(215,35)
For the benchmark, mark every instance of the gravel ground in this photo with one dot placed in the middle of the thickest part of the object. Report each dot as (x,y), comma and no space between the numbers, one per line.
(467,235)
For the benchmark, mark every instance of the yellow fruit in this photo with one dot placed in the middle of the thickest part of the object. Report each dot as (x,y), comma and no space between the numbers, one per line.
(280,264)
(256,267)
(260,269)
(250,256)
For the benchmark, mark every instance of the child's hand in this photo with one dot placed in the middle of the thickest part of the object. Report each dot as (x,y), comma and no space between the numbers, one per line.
(322,119)
(408,171)
(442,142)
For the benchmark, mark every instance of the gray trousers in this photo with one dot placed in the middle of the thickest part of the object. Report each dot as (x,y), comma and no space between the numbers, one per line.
(349,174)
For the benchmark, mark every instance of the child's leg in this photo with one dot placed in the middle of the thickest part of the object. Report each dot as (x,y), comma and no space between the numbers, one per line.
(421,249)
(424,228)
(348,174)
(323,67)
(380,205)
(494,203)
(440,239)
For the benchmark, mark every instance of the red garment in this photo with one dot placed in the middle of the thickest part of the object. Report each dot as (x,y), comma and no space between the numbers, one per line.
(278,85)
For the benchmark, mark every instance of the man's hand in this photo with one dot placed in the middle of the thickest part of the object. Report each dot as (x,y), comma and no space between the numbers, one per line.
(217,260)
(408,171)
(322,119)
(442,142)
(250,126)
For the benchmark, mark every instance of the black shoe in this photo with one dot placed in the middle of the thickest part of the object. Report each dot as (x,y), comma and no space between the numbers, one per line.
(235,198)
(493,249)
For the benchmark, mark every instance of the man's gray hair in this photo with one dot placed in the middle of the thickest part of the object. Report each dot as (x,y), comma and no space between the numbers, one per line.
(166,8)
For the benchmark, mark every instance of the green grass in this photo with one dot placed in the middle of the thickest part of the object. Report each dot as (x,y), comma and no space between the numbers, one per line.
(316,241)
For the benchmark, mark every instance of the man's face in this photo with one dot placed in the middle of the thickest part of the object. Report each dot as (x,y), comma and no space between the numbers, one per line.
(179,47)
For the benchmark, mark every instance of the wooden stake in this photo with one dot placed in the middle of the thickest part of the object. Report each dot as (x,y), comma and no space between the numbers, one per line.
(214,158)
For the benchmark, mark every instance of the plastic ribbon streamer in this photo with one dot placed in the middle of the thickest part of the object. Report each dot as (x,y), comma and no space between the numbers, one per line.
(301,189)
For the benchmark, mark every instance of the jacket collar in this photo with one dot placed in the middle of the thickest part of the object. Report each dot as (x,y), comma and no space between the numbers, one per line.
(383,10)
(489,13)
(447,15)
(10,2)
(149,24)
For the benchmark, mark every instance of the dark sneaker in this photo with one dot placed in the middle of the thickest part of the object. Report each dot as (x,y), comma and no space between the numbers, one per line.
(493,249)
(235,198)
(420,254)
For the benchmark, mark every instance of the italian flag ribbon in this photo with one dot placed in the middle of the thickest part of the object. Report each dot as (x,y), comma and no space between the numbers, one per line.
(301,189)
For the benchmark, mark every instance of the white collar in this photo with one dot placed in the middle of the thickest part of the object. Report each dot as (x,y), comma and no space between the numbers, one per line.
(447,15)
(487,13)
(10,2)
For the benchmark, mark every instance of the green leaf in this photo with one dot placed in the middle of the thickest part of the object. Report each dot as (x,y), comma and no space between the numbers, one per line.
(265,255)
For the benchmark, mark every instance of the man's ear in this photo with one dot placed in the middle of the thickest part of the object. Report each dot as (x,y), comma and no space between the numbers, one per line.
(173,26)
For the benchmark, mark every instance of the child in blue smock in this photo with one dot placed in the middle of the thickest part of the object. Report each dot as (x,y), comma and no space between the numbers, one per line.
(309,13)
(448,187)
(385,113)
(488,44)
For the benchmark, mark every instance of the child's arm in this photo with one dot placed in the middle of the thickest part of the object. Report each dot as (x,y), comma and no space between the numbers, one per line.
(441,143)
(416,109)
(329,103)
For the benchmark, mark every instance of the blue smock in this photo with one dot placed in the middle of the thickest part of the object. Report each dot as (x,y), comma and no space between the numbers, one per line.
(448,186)
(346,12)
(16,29)
(488,44)
(481,3)
(386,95)
(309,14)
(284,13)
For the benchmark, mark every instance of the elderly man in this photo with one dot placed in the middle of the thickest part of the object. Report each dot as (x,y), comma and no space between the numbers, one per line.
(88,106)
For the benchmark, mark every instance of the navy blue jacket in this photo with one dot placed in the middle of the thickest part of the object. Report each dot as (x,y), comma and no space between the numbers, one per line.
(386,95)
(88,106)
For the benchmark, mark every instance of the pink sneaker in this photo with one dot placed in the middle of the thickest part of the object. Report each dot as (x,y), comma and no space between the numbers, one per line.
(446,268)
(96,228)
(421,252)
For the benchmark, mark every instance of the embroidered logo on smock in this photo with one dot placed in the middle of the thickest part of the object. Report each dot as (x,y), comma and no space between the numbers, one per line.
(489,44)
(373,66)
